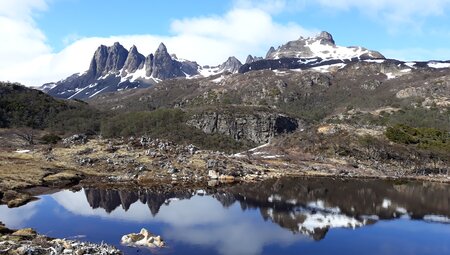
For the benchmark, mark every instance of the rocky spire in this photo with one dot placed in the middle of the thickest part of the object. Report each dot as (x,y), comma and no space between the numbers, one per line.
(231,65)
(98,62)
(117,55)
(325,38)
(251,59)
(164,67)
(149,65)
(270,52)
(134,61)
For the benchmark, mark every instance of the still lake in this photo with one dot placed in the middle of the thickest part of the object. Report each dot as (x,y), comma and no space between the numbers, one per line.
(285,216)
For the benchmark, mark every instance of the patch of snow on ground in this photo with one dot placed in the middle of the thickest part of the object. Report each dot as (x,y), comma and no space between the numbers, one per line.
(259,147)
(278,72)
(78,92)
(390,76)
(411,64)
(272,156)
(218,80)
(438,65)
(335,52)
(379,61)
(140,73)
(206,72)
(327,68)
(22,151)
(96,93)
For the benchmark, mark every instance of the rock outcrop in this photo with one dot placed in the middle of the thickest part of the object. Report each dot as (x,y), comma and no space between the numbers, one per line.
(232,65)
(143,238)
(135,61)
(258,127)
(250,59)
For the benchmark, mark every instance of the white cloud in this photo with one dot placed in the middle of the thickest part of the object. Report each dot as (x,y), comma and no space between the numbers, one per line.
(239,32)
(395,14)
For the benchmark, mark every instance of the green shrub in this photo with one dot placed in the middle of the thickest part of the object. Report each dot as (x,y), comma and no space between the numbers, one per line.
(50,139)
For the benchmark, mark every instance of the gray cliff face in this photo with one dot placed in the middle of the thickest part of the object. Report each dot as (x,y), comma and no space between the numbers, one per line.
(250,59)
(270,52)
(164,66)
(232,65)
(117,55)
(107,59)
(149,65)
(134,61)
(258,127)
(326,38)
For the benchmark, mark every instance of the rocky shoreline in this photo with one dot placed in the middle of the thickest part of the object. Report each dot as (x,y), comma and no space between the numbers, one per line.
(27,241)
(151,162)
(82,161)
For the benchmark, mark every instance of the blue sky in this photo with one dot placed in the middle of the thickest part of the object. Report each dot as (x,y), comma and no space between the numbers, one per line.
(52,39)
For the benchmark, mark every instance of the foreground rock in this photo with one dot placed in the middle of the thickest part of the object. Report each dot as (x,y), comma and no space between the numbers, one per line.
(143,238)
(27,241)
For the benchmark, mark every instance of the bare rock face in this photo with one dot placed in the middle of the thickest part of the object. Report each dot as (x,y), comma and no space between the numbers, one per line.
(164,67)
(143,238)
(257,127)
(250,59)
(107,59)
(149,64)
(134,61)
(232,65)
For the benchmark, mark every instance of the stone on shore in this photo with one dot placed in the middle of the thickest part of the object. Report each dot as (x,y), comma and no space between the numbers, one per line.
(143,238)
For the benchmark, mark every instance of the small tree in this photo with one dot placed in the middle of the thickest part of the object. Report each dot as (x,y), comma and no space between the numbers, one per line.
(26,134)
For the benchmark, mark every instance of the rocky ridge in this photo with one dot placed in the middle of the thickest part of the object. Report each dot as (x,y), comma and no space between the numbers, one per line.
(114,68)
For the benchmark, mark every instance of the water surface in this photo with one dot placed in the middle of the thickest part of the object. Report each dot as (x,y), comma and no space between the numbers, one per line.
(286,216)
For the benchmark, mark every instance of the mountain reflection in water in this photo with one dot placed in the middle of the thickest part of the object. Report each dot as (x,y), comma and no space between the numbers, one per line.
(306,206)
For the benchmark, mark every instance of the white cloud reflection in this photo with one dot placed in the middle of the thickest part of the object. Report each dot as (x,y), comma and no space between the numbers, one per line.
(197,221)
(17,217)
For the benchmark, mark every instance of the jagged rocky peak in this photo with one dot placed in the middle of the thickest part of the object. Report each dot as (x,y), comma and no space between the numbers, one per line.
(270,52)
(164,66)
(117,55)
(320,46)
(107,59)
(325,38)
(134,61)
(251,59)
(232,65)
(162,49)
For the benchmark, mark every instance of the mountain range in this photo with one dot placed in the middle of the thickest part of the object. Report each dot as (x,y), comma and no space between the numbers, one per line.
(115,68)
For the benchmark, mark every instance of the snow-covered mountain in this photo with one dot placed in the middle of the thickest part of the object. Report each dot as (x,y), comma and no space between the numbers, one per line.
(321,46)
(114,69)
